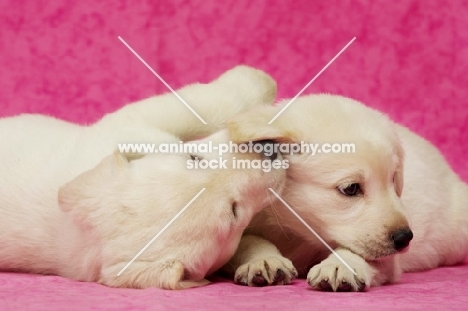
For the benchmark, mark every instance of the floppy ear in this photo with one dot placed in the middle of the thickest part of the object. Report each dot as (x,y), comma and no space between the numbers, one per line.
(399,173)
(87,192)
(253,126)
(399,182)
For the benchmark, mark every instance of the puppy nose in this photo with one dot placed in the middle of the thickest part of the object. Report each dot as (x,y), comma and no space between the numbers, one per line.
(269,149)
(401,238)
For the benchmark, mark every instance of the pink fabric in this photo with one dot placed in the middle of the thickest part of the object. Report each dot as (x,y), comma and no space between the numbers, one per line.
(410,60)
(439,289)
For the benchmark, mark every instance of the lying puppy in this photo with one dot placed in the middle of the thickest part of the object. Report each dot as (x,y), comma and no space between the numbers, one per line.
(71,207)
(354,201)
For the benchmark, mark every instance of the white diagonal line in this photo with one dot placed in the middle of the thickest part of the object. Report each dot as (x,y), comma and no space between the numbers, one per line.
(162,80)
(313,79)
(313,231)
(160,232)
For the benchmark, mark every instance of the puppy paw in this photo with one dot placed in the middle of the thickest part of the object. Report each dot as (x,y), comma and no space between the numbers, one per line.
(165,274)
(269,271)
(332,275)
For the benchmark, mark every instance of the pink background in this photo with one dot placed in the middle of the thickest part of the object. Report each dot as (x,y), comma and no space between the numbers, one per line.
(410,60)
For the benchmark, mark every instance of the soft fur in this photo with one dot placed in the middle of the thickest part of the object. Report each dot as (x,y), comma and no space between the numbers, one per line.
(433,201)
(71,206)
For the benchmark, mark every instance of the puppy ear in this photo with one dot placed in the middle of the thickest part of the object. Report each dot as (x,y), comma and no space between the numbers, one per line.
(399,181)
(93,188)
(253,126)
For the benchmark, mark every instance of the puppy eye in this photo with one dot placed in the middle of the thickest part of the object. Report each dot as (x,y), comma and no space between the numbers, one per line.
(195,157)
(351,190)
(234,209)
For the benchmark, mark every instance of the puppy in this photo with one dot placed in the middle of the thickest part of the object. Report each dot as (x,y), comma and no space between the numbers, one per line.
(355,201)
(70,206)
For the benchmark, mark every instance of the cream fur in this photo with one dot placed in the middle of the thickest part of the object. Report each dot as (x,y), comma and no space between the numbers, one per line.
(432,202)
(70,206)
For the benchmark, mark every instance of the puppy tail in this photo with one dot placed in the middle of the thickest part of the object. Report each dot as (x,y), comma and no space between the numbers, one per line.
(199,109)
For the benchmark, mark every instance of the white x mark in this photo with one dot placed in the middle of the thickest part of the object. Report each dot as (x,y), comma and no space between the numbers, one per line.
(313,79)
(162,80)
(313,231)
(160,232)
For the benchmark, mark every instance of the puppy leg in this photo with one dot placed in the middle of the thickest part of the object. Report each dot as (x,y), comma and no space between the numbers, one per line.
(236,90)
(332,275)
(257,262)
(168,274)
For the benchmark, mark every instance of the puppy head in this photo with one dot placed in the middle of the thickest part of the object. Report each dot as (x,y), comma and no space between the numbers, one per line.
(128,201)
(350,199)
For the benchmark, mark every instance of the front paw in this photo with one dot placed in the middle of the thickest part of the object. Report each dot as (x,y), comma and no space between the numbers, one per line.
(275,270)
(332,275)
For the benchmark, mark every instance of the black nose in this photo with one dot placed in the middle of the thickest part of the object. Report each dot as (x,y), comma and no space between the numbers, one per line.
(401,238)
(269,149)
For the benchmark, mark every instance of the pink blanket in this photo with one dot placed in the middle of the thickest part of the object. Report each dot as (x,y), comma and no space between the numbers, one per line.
(440,289)
(410,60)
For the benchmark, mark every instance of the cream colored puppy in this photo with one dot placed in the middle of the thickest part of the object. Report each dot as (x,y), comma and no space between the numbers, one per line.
(355,201)
(71,207)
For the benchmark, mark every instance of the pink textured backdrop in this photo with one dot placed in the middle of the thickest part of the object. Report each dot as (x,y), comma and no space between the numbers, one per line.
(410,60)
